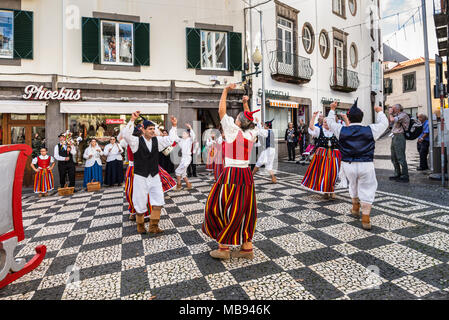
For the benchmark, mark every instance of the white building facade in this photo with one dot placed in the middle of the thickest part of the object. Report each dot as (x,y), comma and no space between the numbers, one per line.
(316,52)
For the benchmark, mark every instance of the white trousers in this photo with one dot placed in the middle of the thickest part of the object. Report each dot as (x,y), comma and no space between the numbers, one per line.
(267,158)
(181,170)
(142,187)
(362,180)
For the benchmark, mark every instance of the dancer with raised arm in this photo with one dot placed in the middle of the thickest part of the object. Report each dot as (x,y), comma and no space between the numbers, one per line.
(147,181)
(357,144)
(269,153)
(231,211)
(185,143)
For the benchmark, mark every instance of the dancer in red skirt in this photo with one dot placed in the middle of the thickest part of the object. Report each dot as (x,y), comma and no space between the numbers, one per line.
(323,170)
(220,158)
(231,211)
(168,183)
(43,180)
(211,149)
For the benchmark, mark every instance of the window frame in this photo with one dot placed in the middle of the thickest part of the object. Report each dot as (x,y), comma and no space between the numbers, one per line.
(391,87)
(12,53)
(312,37)
(226,68)
(355,63)
(342,7)
(326,36)
(355,8)
(414,82)
(282,51)
(117,49)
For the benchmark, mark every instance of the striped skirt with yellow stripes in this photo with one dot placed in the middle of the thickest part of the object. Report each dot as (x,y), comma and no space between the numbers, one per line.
(323,170)
(43,181)
(231,210)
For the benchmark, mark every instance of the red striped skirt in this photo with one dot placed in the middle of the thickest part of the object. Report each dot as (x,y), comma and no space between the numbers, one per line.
(43,181)
(231,209)
(210,161)
(218,169)
(323,170)
(168,182)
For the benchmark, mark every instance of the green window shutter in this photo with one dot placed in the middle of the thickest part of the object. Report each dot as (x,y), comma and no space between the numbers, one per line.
(90,40)
(23,34)
(141,44)
(193,40)
(235,51)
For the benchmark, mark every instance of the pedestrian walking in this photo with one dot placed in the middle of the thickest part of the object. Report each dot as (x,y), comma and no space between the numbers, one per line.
(292,138)
(400,122)
(231,209)
(357,144)
(423,143)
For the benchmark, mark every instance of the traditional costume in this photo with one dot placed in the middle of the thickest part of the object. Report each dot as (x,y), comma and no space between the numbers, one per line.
(211,148)
(146,183)
(357,144)
(323,170)
(65,166)
(43,179)
(186,151)
(231,210)
(219,162)
(93,168)
(114,164)
(268,155)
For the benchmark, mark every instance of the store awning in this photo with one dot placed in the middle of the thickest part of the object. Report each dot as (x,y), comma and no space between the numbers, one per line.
(113,107)
(284,104)
(18,106)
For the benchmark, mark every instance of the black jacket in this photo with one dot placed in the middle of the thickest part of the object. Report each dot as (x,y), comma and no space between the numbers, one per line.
(296,138)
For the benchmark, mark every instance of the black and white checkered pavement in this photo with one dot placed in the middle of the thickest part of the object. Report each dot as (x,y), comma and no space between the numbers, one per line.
(305,248)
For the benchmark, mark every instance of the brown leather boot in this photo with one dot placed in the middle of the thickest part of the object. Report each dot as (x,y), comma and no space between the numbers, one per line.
(154,220)
(366,210)
(132,217)
(223,254)
(243,253)
(273,179)
(355,211)
(189,186)
(178,187)
(140,219)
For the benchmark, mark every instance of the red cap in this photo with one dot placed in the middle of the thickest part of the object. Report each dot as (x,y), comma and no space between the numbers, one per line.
(249,114)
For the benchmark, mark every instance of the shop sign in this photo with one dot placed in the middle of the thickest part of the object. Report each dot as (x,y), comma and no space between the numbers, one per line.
(326,101)
(115,121)
(274,94)
(33,92)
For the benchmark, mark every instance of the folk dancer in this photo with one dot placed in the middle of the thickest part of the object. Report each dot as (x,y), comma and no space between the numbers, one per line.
(147,181)
(185,143)
(114,163)
(357,144)
(43,179)
(211,149)
(65,154)
(231,211)
(269,153)
(219,162)
(323,170)
(93,168)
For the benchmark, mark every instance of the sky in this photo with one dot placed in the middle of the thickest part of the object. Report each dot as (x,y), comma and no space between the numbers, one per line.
(409,40)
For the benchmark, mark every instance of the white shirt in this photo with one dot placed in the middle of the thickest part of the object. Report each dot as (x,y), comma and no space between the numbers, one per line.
(34,161)
(133,142)
(377,128)
(263,133)
(186,144)
(95,153)
(231,130)
(316,132)
(59,158)
(113,152)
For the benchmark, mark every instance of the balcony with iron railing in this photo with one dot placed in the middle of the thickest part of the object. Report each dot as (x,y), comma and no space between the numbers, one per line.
(344,80)
(290,68)
(441,17)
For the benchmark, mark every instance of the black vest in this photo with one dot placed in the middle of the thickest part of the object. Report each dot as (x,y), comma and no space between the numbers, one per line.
(146,162)
(323,141)
(357,144)
(64,153)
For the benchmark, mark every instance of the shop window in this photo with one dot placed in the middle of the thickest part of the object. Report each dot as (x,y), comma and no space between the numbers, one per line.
(37,116)
(409,82)
(214,50)
(102,126)
(117,43)
(281,116)
(6,34)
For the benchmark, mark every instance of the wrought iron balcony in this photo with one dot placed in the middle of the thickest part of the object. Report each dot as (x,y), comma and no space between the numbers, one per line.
(289,67)
(344,80)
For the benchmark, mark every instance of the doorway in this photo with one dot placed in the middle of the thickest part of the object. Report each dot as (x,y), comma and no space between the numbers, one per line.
(26,129)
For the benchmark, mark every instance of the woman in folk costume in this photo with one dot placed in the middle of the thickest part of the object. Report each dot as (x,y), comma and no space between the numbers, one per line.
(211,148)
(231,211)
(185,143)
(93,170)
(219,162)
(43,180)
(268,154)
(323,170)
(357,144)
(114,163)
(164,160)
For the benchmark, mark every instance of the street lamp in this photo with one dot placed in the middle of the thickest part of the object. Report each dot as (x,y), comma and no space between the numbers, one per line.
(257,59)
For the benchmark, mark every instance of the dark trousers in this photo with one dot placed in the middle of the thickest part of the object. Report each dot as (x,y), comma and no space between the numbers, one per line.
(398,158)
(423,149)
(191,170)
(302,144)
(291,150)
(66,167)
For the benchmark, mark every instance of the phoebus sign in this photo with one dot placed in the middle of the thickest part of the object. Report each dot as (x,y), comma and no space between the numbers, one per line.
(33,92)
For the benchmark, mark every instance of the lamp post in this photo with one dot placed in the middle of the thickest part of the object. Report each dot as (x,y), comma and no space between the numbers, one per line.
(257,59)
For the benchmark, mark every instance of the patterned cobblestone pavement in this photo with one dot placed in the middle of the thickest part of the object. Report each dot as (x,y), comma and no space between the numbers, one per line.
(305,248)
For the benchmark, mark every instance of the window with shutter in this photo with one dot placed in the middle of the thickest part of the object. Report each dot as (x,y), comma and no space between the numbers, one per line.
(6,34)
(91,40)
(23,34)
(235,51)
(142,44)
(193,41)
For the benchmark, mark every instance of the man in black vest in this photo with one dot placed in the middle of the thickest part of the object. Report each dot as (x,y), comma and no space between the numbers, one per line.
(146,170)
(65,154)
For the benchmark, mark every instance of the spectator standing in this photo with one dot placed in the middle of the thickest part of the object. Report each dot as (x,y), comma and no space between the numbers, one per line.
(399,121)
(423,143)
(291,137)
